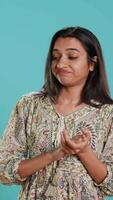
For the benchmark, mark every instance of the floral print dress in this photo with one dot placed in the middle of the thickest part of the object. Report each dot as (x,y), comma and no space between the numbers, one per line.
(34,128)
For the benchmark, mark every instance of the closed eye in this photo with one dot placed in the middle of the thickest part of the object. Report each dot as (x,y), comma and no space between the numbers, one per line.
(55,58)
(72,57)
(69,57)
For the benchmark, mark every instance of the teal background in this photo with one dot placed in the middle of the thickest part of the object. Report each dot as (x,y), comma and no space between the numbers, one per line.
(26,27)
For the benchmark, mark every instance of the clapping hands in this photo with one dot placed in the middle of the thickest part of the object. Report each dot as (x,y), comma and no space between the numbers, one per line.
(76,145)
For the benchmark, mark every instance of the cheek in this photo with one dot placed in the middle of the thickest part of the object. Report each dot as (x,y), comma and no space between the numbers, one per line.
(81,68)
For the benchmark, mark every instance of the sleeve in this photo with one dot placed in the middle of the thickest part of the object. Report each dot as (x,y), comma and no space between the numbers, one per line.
(107,157)
(13,147)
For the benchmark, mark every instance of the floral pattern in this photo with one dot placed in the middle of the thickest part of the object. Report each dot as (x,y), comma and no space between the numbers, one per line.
(34,127)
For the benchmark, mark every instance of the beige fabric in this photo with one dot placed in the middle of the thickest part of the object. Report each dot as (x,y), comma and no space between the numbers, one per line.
(34,128)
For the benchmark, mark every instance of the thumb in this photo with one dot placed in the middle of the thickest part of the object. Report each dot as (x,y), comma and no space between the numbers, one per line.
(87,133)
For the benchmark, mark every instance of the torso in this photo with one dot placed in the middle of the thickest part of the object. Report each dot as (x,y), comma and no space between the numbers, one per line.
(69,178)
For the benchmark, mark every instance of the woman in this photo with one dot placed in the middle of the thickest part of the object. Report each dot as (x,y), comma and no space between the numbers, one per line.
(59,142)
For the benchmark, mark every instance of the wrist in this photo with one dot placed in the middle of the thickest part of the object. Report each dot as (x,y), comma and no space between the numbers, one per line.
(82,153)
(57,154)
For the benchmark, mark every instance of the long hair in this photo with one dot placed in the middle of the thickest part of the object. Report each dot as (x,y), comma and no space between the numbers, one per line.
(96,86)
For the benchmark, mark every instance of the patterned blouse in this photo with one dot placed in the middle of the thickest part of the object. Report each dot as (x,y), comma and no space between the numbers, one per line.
(35,127)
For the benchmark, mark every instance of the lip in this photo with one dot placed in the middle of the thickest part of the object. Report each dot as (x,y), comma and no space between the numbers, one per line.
(63,71)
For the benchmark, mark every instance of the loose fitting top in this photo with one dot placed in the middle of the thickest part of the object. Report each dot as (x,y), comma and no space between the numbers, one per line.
(34,128)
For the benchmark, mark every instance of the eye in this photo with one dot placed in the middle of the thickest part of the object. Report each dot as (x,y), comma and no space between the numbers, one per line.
(72,57)
(55,57)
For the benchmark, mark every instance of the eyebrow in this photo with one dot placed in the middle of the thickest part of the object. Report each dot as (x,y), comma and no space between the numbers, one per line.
(68,49)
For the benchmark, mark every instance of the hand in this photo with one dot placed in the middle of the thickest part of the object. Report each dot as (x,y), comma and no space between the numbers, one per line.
(77,144)
(59,153)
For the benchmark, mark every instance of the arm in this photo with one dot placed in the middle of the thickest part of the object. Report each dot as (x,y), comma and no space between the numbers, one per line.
(96,169)
(30,166)
(14,164)
(80,147)
(103,173)
(13,146)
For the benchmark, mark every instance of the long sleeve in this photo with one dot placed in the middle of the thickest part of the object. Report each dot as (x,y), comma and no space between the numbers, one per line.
(107,157)
(13,147)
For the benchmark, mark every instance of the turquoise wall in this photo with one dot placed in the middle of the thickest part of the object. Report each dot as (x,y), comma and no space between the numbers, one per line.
(26,27)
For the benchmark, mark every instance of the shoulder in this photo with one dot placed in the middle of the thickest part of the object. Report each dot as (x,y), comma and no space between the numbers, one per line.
(33,95)
(107,107)
(106,111)
(31,98)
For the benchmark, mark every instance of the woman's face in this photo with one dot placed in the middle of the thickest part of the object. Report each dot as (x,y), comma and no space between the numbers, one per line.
(69,62)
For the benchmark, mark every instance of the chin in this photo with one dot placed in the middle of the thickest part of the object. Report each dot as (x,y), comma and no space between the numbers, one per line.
(67,84)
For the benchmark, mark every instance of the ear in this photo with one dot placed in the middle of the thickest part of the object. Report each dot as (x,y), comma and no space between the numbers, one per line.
(91,68)
(94,59)
(93,62)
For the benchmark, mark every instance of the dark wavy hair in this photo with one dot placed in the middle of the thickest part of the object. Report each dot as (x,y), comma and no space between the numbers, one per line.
(96,86)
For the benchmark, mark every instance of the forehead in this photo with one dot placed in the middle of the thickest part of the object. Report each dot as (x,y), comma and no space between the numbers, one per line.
(68,43)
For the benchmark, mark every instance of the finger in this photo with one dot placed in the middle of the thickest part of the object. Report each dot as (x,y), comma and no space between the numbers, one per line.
(77,150)
(65,131)
(70,143)
(86,132)
(67,150)
(67,141)
(74,144)
(66,137)
(62,139)
(84,136)
(78,137)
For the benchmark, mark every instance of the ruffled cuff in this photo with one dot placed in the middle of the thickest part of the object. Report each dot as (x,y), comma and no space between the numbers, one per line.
(15,171)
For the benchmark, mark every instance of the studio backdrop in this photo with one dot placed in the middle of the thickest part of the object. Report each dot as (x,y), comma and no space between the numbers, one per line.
(26,27)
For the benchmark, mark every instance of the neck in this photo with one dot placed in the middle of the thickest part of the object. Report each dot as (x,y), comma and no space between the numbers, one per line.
(70,95)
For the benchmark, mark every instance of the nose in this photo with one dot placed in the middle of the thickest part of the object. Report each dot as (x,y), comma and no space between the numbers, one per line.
(62,62)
